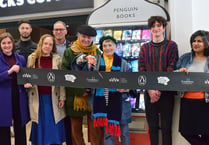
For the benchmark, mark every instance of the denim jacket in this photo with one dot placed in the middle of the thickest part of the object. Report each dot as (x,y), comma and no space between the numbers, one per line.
(185,61)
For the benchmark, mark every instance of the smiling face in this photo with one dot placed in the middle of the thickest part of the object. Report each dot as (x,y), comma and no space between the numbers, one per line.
(108,47)
(7,46)
(198,45)
(157,30)
(85,40)
(59,31)
(47,46)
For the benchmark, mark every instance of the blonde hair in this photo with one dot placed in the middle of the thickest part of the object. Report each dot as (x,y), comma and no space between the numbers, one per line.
(38,52)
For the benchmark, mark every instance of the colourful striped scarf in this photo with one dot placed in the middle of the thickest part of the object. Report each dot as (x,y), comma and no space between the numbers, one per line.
(107,110)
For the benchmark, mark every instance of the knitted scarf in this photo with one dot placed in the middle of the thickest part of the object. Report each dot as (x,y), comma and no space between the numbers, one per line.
(78,48)
(107,108)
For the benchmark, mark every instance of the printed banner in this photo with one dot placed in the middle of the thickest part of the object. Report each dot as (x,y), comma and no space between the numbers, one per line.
(171,81)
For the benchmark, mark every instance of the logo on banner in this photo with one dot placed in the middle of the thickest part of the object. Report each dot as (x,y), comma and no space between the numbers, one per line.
(92,80)
(163,80)
(114,80)
(51,77)
(187,82)
(142,80)
(70,78)
(207,82)
(26,75)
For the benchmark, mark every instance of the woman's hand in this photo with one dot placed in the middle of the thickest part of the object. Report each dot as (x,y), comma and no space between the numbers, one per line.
(14,68)
(28,85)
(61,103)
(183,69)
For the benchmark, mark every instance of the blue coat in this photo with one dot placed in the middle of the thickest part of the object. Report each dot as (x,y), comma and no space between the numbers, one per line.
(6,96)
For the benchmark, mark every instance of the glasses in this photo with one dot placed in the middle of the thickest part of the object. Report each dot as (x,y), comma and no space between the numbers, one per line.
(61,30)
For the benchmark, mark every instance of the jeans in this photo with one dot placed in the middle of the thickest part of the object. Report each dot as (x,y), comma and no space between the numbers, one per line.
(125,139)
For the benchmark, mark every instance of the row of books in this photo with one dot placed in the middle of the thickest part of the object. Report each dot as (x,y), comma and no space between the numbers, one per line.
(139,34)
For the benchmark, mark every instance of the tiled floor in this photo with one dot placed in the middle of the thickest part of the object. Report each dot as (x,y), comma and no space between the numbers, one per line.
(28,127)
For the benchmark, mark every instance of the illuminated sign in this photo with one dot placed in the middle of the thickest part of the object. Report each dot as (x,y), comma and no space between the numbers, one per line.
(22,7)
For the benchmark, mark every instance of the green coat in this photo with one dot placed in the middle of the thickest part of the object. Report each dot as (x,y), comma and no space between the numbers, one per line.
(67,60)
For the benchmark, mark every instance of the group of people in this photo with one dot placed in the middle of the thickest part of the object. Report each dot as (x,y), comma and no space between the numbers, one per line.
(57,112)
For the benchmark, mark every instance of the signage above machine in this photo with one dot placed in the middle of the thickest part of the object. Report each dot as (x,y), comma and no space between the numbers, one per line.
(21,8)
(125,12)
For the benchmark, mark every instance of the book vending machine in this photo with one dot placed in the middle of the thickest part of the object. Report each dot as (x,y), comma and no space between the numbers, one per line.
(126,21)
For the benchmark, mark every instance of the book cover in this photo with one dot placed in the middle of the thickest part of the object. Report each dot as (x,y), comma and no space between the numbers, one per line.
(136,35)
(146,34)
(98,36)
(135,48)
(126,48)
(118,49)
(108,32)
(127,34)
(117,34)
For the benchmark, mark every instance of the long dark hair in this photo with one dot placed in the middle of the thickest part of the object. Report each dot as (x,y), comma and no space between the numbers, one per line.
(205,38)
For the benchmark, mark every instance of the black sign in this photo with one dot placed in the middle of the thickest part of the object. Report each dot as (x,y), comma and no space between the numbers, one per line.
(23,7)
(173,81)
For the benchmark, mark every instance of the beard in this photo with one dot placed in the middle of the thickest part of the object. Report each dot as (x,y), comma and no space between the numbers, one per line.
(25,36)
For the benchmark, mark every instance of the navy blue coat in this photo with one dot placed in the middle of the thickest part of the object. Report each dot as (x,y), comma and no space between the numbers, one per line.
(6,93)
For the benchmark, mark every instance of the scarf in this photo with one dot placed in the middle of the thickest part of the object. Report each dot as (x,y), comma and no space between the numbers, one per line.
(107,104)
(78,48)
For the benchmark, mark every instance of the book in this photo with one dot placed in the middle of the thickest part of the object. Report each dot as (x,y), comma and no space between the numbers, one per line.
(135,48)
(118,49)
(117,34)
(126,48)
(146,34)
(136,35)
(108,32)
(127,34)
(98,36)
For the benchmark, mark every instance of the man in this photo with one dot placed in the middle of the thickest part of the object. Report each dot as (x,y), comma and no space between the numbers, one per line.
(157,56)
(59,32)
(25,46)
(77,105)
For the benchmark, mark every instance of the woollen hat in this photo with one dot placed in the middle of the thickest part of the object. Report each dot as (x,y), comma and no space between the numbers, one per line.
(102,39)
(87,30)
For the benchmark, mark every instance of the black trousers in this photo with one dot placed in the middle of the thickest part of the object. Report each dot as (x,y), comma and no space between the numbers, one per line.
(163,110)
(197,139)
(68,130)
(19,130)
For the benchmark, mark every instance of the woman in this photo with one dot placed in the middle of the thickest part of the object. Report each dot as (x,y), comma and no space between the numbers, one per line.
(45,102)
(111,107)
(13,100)
(194,110)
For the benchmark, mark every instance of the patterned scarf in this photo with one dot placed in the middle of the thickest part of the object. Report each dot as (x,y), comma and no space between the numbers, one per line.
(107,104)
(78,48)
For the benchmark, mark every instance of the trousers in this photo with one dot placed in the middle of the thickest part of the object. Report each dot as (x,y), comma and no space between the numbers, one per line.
(77,133)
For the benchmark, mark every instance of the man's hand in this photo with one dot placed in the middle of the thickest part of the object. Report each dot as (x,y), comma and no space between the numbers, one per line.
(154,95)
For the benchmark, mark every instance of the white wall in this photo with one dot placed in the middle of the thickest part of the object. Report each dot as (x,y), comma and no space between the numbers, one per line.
(187,16)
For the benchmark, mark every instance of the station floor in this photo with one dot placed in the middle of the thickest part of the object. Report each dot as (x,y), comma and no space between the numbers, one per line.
(28,128)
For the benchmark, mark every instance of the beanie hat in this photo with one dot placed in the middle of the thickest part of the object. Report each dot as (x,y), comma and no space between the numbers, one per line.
(87,30)
(102,39)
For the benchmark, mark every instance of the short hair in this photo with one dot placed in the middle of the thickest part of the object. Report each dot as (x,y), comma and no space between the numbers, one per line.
(7,35)
(205,38)
(63,23)
(23,21)
(159,19)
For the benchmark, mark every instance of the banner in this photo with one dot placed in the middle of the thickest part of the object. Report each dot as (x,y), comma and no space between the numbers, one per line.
(171,81)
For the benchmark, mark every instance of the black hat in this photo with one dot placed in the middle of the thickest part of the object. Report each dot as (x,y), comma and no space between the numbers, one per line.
(87,30)
(102,39)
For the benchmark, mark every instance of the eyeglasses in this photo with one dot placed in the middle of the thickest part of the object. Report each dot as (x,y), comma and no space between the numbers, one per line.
(61,29)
